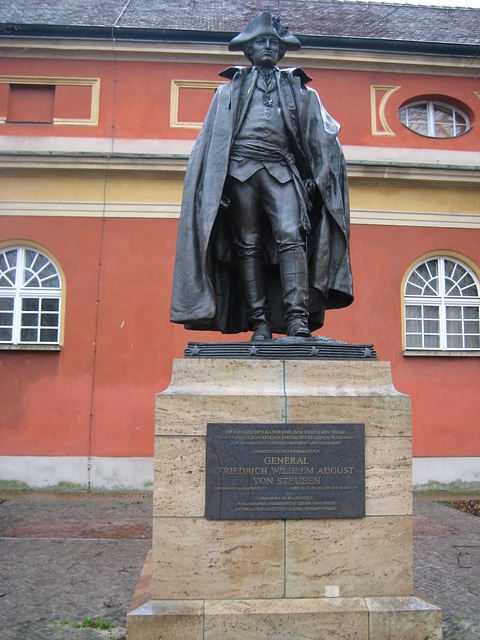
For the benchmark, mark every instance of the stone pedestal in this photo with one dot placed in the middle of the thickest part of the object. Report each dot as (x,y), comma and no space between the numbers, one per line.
(307,579)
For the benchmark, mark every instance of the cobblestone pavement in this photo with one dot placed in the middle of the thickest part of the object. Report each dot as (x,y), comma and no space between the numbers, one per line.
(446,563)
(70,557)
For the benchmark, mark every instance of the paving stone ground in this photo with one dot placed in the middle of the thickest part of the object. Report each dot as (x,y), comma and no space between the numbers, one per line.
(66,557)
(446,563)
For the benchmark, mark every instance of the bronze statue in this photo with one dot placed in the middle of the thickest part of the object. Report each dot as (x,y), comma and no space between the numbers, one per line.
(263,237)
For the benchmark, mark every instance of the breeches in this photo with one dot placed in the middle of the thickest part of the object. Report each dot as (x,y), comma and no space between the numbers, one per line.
(262,195)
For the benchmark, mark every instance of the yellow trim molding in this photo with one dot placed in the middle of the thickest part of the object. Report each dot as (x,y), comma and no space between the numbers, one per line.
(94,83)
(376,90)
(175,98)
(171,210)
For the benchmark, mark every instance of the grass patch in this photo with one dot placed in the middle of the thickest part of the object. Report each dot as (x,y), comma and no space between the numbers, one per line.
(89,623)
(13,484)
(97,623)
(69,485)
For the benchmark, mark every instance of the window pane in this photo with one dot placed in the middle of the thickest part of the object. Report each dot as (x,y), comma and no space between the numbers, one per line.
(432,342)
(449,267)
(414,342)
(444,126)
(472,342)
(431,312)
(5,334)
(28,335)
(50,304)
(431,326)
(417,118)
(48,335)
(30,304)
(470,290)
(30,256)
(461,124)
(454,312)
(471,326)
(8,261)
(29,319)
(471,313)
(413,290)
(40,262)
(49,320)
(414,326)
(413,311)
(6,319)
(454,326)
(6,304)
(50,281)
(455,342)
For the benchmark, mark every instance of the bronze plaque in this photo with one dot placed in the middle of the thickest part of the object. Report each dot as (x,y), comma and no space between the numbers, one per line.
(268,471)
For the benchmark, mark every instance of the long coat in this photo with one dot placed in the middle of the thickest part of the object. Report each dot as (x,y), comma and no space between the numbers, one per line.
(206,290)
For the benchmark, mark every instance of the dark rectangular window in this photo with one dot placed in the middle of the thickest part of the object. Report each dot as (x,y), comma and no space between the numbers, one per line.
(31,103)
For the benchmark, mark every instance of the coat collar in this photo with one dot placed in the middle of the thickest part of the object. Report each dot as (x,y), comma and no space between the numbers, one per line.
(231,72)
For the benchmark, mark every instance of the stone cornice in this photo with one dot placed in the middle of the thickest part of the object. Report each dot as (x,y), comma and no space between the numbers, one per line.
(203,53)
(174,165)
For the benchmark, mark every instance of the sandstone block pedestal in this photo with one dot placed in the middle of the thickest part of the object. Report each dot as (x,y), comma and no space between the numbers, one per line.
(309,579)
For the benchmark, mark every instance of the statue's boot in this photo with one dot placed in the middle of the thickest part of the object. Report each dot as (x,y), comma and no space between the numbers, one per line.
(294,275)
(253,284)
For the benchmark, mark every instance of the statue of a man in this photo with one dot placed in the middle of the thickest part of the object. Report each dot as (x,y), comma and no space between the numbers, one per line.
(263,238)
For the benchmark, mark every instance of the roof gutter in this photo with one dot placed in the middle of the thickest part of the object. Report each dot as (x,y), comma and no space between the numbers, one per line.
(223,37)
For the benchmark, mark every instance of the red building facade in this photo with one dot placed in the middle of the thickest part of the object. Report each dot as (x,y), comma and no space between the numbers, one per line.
(95,133)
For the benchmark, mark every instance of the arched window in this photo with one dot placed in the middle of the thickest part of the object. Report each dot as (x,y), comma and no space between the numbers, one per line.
(442,305)
(30,297)
(434,119)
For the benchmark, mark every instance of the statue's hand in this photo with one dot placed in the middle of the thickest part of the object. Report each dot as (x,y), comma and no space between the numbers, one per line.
(309,185)
(224,202)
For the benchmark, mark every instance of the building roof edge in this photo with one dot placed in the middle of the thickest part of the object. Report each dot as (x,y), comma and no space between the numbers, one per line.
(223,37)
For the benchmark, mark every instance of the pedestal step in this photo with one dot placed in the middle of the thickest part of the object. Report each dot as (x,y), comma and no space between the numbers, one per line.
(356,618)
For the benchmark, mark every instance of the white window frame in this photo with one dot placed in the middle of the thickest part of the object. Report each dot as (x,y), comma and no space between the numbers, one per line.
(430,108)
(440,302)
(19,292)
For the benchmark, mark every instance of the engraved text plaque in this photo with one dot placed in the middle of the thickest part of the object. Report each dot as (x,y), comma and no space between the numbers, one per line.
(268,471)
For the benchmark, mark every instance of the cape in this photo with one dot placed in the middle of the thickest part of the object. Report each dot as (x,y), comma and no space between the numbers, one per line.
(206,292)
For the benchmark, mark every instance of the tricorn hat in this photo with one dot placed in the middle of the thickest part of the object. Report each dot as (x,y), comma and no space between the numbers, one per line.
(262,25)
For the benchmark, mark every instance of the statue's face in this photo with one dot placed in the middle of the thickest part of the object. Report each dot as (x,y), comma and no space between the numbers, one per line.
(265,51)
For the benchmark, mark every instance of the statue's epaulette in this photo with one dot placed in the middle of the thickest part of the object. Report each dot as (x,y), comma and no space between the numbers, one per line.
(231,72)
(299,73)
